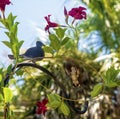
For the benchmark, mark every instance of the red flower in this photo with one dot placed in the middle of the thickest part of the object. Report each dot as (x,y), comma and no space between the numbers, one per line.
(3,3)
(78,13)
(41,107)
(50,24)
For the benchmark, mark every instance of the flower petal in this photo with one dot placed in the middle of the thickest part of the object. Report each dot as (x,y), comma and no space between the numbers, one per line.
(78,13)
(3,3)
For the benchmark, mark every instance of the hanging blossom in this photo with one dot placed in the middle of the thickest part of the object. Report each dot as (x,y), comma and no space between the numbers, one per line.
(41,107)
(77,13)
(50,24)
(3,3)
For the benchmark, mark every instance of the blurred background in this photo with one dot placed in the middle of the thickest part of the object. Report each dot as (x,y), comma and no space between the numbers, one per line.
(99,48)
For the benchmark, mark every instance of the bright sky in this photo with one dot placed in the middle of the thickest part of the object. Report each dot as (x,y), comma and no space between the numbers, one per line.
(30,14)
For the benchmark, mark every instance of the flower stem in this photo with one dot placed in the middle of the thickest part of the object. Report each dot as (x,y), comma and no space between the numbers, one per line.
(3,14)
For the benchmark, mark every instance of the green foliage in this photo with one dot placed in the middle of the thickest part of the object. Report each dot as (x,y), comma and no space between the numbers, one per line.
(8,95)
(60,32)
(48,49)
(55,102)
(1,99)
(65,40)
(58,40)
(97,90)
(104,19)
(64,109)
(14,44)
(1,77)
(9,69)
(55,43)
(110,78)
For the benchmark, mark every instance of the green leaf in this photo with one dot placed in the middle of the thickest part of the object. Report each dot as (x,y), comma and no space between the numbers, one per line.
(9,69)
(64,109)
(7,94)
(112,84)
(52,97)
(111,74)
(15,50)
(110,78)
(48,49)
(55,43)
(97,90)
(19,72)
(1,98)
(7,33)
(54,104)
(60,32)
(54,101)
(20,44)
(14,28)
(0,77)
(2,21)
(10,21)
(65,40)
(12,112)
(7,43)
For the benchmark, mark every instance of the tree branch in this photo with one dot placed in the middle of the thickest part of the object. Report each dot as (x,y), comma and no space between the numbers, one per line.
(71,103)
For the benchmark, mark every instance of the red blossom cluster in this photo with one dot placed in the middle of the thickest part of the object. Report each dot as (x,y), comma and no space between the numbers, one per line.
(77,13)
(41,107)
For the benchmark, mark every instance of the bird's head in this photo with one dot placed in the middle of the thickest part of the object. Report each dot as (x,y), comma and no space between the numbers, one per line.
(39,44)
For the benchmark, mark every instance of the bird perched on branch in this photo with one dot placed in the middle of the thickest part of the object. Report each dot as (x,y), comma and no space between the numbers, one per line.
(33,53)
(75,72)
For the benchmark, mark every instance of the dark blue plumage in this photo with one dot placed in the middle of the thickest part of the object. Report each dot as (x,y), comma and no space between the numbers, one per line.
(33,52)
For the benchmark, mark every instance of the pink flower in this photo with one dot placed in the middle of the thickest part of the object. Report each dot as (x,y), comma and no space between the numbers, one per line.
(50,24)
(66,15)
(3,3)
(78,13)
(41,107)
(65,11)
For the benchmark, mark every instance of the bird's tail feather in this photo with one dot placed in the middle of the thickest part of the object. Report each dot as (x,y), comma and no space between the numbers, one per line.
(12,56)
